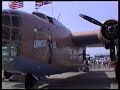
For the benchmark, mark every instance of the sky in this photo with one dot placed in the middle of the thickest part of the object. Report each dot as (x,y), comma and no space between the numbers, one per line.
(70,10)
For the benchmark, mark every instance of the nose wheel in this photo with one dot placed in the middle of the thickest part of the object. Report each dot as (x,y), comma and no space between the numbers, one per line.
(30,82)
(7,75)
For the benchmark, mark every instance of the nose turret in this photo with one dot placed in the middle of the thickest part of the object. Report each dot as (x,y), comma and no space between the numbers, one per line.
(10,37)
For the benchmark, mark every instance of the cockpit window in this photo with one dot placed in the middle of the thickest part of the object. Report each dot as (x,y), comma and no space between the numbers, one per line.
(15,34)
(39,15)
(5,33)
(15,21)
(5,20)
(50,19)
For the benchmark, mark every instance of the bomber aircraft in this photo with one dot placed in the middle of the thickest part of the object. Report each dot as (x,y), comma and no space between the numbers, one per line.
(38,45)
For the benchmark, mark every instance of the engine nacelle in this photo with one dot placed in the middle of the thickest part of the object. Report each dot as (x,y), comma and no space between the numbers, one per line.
(110,27)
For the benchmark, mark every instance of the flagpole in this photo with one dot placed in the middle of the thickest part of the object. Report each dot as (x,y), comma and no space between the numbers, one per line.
(23,6)
(36,9)
(52,9)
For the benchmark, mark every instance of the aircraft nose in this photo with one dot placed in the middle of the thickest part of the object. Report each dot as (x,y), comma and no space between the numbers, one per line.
(10,39)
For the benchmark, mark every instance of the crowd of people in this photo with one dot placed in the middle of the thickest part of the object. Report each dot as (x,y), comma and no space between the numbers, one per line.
(99,63)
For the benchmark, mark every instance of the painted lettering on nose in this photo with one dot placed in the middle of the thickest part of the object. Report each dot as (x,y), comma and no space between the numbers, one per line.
(43,43)
(40,43)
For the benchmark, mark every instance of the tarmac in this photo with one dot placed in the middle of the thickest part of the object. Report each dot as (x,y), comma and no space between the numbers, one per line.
(94,79)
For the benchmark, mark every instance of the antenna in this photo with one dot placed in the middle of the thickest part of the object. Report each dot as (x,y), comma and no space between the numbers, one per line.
(59,16)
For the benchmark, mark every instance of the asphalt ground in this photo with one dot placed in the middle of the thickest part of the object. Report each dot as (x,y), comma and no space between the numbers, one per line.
(94,79)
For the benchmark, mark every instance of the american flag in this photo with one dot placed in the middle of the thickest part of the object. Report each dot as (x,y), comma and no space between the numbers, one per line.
(15,4)
(41,3)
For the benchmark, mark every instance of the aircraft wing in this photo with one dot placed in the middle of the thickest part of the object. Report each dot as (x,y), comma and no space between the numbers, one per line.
(89,39)
(107,35)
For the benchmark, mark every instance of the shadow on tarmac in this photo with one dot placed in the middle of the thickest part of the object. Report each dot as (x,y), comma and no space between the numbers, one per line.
(90,80)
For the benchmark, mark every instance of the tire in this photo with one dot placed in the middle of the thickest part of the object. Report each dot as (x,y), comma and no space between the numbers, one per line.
(7,75)
(30,82)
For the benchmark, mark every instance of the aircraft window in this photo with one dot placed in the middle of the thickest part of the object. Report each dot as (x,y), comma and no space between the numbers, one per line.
(13,49)
(5,20)
(15,34)
(5,49)
(15,21)
(7,53)
(5,33)
(5,12)
(39,15)
(14,13)
(50,19)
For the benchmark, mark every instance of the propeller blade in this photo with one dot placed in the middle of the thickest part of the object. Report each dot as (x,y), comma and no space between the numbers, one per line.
(91,20)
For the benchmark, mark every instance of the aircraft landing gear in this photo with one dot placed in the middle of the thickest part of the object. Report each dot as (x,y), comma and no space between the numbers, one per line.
(7,75)
(117,73)
(30,82)
(86,67)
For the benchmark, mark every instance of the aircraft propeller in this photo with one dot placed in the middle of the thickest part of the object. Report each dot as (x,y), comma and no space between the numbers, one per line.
(92,20)
(112,28)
